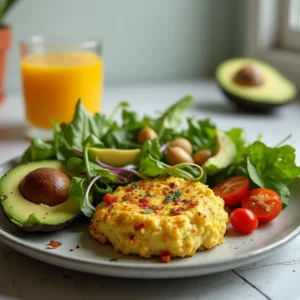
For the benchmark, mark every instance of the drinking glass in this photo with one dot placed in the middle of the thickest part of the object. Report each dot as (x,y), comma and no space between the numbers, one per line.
(56,73)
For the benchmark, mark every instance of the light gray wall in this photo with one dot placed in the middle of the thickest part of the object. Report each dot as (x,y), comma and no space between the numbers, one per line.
(143,39)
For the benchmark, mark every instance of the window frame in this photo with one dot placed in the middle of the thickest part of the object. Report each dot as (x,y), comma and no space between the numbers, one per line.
(263,23)
(289,37)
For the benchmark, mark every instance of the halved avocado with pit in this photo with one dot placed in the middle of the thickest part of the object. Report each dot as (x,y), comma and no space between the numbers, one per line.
(253,85)
(25,189)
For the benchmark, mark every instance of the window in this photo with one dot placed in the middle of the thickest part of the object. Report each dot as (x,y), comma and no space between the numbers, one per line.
(290,25)
(273,34)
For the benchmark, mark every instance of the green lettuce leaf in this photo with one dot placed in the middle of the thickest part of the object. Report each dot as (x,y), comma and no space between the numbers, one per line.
(78,130)
(201,134)
(272,168)
(77,193)
(39,150)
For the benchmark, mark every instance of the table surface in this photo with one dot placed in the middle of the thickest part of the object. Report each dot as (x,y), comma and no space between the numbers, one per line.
(276,277)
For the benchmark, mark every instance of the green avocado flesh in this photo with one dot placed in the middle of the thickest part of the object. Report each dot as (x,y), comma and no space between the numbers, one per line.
(114,157)
(226,152)
(30,216)
(275,89)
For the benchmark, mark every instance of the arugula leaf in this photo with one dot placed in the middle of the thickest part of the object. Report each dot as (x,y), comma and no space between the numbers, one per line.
(38,150)
(253,174)
(77,193)
(172,117)
(130,121)
(120,139)
(238,137)
(201,134)
(272,168)
(274,164)
(75,165)
(150,163)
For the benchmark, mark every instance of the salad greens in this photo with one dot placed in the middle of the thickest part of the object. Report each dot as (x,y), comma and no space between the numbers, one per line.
(265,166)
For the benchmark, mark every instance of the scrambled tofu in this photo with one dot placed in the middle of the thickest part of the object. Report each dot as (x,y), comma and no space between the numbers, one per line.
(167,217)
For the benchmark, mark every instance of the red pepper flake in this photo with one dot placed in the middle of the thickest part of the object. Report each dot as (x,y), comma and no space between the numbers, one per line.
(131,237)
(54,244)
(193,203)
(165,257)
(177,212)
(127,196)
(139,227)
(186,201)
(144,200)
(158,185)
(176,202)
(172,185)
(129,190)
(110,199)
(188,191)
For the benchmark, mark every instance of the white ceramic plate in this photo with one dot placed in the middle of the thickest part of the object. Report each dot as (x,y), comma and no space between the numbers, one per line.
(94,258)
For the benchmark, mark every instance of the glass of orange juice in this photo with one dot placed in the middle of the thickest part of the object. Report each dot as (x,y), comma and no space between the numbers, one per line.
(56,72)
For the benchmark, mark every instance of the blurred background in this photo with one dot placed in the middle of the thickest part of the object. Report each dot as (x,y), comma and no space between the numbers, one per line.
(142,40)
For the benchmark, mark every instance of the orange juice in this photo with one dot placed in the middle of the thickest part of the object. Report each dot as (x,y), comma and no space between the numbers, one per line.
(52,84)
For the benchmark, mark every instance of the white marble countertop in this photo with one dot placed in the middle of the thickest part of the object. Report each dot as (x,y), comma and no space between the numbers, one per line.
(276,277)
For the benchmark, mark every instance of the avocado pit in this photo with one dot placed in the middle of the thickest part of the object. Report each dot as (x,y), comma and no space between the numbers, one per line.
(250,75)
(45,186)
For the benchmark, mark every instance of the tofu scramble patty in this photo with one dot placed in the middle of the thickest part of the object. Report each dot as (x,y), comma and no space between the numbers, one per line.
(164,216)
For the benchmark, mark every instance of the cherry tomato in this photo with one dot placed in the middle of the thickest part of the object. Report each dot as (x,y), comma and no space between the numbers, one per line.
(265,203)
(243,220)
(232,189)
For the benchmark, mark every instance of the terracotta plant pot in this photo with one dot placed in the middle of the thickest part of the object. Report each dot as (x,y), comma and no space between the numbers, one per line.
(5,39)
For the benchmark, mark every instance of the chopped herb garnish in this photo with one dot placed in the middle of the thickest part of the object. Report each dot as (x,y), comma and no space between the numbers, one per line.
(174,196)
(113,259)
(134,185)
(147,211)
(124,199)
(147,195)
(172,210)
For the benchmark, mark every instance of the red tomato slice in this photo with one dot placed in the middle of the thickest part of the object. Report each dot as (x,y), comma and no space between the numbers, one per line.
(265,203)
(232,189)
(243,220)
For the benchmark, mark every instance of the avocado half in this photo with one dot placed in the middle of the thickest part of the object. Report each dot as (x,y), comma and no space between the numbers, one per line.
(30,216)
(272,91)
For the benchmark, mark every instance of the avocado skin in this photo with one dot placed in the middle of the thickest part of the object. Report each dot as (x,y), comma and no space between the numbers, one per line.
(253,106)
(40,227)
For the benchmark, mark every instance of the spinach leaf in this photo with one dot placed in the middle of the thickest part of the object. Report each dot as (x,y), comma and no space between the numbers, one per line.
(201,134)
(272,168)
(150,163)
(77,192)
(172,117)
(38,150)
(238,137)
(76,132)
